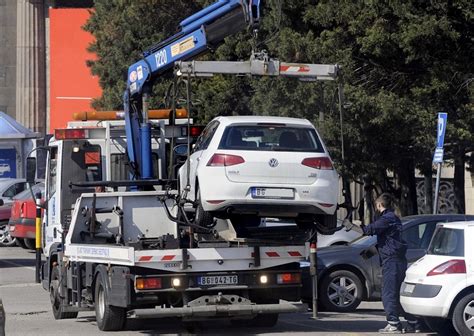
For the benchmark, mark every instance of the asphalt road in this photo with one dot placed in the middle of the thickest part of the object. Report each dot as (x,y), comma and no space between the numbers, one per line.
(28,312)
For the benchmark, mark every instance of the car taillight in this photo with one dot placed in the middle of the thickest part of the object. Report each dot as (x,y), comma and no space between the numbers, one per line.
(318,163)
(455,266)
(221,160)
(288,278)
(148,283)
(23,204)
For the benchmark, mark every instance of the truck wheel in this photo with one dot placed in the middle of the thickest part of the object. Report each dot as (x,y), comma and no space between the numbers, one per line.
(440,325)
(259,321)
(463,315)
(58,312)
(202,218)
(341,291)
(109,318)
(30,243)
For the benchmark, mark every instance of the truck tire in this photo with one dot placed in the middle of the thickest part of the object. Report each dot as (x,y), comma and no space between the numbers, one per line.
(202,217)
(58,312)
(109,318)
(259,321)
(440,325)
(341,291)
(463,315)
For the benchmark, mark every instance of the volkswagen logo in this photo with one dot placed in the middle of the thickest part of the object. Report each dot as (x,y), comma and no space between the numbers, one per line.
(273,163)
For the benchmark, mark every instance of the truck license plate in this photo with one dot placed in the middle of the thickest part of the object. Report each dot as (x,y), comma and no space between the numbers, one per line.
(282,193)
(212,280)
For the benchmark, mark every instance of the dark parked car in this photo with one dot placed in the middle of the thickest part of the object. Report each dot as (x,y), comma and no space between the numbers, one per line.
(350,274)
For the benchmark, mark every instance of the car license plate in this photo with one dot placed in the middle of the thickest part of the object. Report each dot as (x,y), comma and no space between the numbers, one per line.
(283,193)
(409,288)
(213,280)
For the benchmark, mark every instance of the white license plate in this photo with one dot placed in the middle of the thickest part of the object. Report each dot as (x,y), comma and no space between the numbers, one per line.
(283,193)
(409,288)
(212,280)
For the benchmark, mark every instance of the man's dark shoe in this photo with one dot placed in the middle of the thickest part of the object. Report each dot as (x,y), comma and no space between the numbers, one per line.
(413,328)
(392,329)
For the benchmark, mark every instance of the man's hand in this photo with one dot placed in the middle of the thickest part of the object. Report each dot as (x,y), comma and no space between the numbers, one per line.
(351,226)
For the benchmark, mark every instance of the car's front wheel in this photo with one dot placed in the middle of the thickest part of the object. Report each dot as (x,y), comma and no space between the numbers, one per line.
(202,218)
(341,291)
(463,315)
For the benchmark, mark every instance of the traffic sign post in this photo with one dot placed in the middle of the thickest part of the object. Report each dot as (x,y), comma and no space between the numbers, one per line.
(439,153)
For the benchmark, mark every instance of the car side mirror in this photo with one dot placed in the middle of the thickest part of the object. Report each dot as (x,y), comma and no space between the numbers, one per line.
(30,170)
(1,202)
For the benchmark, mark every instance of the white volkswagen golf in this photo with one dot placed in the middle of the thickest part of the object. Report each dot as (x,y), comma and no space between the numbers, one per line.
(440,286)
(249,167)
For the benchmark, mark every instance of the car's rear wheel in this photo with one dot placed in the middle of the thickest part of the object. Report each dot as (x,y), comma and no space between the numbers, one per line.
(30,243)
(463,315)
(202,217)
(6,238)
(341,291)
(440,325)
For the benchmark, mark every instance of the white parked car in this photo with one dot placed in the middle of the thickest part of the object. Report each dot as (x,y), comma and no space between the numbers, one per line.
(249,167)
(10,187)
(440,286)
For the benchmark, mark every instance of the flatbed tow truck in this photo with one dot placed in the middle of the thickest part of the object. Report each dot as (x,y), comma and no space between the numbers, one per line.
(126,247)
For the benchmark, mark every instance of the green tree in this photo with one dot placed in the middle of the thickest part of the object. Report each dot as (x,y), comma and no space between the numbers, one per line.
(402,61)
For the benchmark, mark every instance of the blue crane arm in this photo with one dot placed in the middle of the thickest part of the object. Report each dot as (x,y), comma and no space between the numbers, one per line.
(198,33)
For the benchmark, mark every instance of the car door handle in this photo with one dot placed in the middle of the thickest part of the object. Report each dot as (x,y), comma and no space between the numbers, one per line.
(198,159)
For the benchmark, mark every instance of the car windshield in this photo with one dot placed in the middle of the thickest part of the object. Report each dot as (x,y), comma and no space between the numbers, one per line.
(271,137)
(27,193)
(447,242)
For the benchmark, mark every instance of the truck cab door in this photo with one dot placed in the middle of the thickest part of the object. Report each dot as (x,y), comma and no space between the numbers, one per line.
(51,218)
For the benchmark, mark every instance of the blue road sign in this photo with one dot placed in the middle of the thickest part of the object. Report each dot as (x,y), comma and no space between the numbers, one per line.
(442,121)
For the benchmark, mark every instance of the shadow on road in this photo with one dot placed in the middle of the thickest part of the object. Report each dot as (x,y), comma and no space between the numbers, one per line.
(301,323)
(14,262)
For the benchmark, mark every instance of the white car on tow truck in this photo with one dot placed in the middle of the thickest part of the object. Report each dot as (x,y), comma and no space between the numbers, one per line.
(250,167)
(440,286)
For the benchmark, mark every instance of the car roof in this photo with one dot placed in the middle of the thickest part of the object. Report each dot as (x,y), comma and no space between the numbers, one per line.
(459,224)
(262,119)
(437,217)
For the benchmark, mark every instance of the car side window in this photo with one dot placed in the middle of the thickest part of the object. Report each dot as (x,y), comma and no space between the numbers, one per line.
(419,236)
(205,138)
(210,135)
(14,189)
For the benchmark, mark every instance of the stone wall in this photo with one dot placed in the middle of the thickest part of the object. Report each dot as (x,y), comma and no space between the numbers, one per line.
(8,56)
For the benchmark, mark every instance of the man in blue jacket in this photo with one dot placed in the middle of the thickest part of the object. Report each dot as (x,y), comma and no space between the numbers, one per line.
(392,251)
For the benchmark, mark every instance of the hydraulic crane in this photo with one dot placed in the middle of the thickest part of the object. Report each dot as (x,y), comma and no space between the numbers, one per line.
(198,33)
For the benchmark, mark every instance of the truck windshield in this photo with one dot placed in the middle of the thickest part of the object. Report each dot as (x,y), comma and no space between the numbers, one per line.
(447,242)
(271,137)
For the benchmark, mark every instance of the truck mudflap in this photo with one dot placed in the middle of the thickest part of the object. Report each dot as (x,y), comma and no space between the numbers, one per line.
(225,306)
